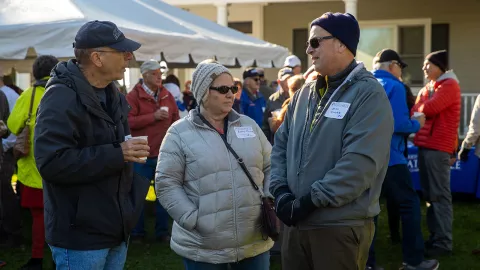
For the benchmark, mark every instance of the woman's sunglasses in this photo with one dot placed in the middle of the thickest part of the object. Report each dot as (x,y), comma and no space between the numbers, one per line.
(224,89)
(315,42)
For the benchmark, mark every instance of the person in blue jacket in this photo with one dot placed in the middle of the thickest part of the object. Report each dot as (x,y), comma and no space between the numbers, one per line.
(252,102)
(398,186)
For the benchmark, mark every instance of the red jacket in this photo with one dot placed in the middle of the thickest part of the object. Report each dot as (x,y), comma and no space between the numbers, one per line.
(442,111)
(141,119)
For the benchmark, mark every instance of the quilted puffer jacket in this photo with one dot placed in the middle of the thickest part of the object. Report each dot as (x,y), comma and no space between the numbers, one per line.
(440,101)
(198,181)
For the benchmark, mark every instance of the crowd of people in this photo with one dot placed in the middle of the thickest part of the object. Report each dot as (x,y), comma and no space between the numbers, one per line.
(323,146)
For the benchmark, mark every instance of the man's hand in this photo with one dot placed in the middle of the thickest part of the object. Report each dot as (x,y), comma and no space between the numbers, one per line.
(463,154)
(135,149)
(160,115)
(3,128)
(283,207)
(290,210)
(421,119)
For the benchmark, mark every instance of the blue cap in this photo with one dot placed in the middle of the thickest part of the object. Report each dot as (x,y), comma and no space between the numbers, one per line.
(96,34)
(250,72)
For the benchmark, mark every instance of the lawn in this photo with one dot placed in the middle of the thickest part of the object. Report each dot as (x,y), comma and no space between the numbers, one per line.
(159,256)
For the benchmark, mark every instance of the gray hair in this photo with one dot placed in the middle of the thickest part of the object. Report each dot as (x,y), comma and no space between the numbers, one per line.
(382,65)
(83,55)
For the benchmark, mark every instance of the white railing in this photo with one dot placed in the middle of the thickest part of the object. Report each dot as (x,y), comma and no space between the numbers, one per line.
(468,100)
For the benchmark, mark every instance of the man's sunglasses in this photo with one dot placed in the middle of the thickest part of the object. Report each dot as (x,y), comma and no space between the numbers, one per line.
(224,89)
(315,41)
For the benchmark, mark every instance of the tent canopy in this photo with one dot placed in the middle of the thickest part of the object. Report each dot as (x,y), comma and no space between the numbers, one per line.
(50,26)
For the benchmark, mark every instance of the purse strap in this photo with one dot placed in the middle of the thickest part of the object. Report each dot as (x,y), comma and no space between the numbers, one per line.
(31,105)
(229,147)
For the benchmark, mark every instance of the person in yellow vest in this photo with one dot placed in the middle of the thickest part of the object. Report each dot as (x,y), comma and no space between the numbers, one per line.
(31,181)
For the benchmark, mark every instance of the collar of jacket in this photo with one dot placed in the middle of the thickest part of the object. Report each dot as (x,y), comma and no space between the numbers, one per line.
(69,74)
(447,75)
(161,94)
(232,116)
(355,75)
(383,74)
(333,82)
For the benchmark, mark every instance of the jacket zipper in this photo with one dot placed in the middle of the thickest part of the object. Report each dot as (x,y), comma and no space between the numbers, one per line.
(233,201)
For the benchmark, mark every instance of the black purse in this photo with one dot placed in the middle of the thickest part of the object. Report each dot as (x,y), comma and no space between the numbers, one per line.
(270,223)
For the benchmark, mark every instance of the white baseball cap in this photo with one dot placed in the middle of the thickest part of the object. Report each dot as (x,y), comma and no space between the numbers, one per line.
(149,65)
(292,61)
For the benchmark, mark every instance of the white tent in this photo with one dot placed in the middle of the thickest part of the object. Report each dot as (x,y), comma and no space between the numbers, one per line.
(49,27)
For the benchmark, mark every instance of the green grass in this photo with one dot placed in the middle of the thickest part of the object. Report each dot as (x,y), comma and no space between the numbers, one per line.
(159,256)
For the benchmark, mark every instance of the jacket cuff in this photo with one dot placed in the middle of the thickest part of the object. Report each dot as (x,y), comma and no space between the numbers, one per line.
(280,191)
(416,125)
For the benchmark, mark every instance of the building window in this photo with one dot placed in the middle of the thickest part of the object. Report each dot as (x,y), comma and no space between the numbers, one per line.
(411,38)
(411,48)
(440,37)
(300,37)
(244,27)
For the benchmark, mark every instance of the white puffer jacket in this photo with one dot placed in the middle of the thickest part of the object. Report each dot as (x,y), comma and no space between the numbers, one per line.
(198,181)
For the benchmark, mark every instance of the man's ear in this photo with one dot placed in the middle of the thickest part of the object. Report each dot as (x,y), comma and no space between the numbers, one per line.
(95,59)
(341,48)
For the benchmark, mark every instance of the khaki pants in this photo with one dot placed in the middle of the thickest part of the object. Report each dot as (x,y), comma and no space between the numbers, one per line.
(328,248)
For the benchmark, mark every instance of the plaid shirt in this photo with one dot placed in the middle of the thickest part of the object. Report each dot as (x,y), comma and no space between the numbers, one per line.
(150,92)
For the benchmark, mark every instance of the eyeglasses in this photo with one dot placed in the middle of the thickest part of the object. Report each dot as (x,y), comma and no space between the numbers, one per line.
(125,54)
(398,64)
(315,41)
(224,89)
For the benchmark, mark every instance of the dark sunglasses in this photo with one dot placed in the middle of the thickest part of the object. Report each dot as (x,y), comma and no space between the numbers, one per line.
(315,42)
(398,64)
(224,89)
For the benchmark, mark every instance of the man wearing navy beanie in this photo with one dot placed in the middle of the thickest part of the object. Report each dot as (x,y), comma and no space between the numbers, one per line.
(331,154)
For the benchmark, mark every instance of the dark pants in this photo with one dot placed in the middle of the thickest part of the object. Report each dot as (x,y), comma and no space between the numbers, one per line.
(259,262)
(399,191)
(372,260)
(434,168)
(161,216)
(10,215)
(332,248)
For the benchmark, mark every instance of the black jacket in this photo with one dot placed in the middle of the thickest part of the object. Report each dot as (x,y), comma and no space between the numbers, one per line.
(89,199)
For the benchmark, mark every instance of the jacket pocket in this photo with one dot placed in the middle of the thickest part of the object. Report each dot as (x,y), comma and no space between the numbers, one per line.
(98,218)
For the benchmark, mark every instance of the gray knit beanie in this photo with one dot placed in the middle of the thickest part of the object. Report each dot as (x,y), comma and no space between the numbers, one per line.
(203,76)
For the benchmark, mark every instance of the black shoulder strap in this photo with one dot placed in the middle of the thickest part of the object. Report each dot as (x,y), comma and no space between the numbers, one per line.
(224,138)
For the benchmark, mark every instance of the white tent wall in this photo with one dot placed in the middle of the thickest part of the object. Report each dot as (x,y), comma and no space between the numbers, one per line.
(49,26)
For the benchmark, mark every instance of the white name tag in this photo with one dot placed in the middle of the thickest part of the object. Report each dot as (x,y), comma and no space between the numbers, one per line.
(244,132)
(337,110)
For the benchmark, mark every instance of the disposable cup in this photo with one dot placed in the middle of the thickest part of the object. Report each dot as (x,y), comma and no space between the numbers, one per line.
(141,138)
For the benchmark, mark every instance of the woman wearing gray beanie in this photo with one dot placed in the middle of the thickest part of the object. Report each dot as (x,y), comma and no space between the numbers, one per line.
(216,209)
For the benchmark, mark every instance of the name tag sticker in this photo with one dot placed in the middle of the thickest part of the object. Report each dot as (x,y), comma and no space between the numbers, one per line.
(337,110)
(244,132)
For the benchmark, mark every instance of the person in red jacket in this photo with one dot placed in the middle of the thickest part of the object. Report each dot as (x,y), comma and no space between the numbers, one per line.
(153,111)
(437,140)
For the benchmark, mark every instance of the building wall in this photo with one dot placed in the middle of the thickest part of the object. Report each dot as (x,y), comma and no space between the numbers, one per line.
(281,18)
(236,13)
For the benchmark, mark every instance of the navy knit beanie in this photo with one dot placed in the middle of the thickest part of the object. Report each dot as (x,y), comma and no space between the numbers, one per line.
(440,59)
(342,26)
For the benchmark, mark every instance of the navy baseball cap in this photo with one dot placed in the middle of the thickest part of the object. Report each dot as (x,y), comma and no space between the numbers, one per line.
(387,55)
(96,34)
(250,72)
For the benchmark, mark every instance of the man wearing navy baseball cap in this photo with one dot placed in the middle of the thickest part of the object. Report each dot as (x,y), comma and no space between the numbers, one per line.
(331,154)
(92,198)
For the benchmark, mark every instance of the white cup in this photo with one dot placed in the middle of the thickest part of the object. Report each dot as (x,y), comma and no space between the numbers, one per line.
(417,114)
(140,138)
(276,114)
(164,108)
